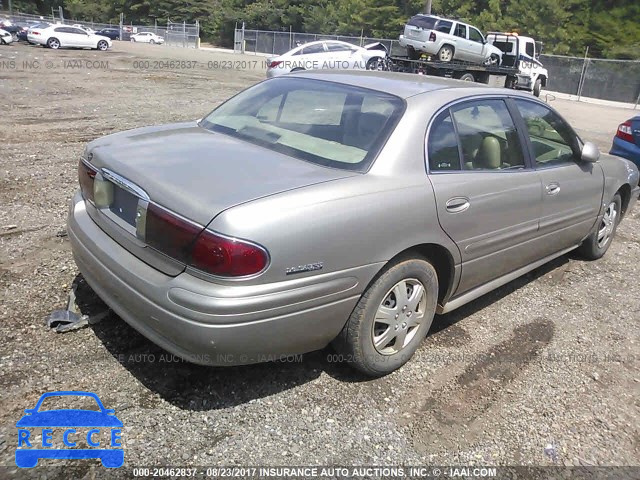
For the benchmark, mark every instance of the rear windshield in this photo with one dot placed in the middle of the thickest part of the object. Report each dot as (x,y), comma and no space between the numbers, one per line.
(322,122)
(423,21)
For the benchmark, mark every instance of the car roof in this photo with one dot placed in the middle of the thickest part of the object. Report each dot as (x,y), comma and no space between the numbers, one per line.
(403,85)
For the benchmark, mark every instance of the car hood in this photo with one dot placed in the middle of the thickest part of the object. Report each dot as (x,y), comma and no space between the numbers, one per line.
(69,418)
(198,173)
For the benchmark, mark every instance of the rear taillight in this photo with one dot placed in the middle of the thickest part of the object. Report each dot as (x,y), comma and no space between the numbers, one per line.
(624,131)
(202,249)
(227,257)
(274,63)
(432,37)
(35,33)
(86,176)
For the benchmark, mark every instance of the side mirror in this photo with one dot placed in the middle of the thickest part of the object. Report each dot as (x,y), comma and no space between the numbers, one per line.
(590,153)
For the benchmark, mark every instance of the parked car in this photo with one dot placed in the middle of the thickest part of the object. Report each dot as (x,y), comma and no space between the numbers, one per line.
(353,226)
(447,40)
(327,54)
(12,28)
(5,37)
(59,36)
(626,142)
(112,33)
(147,37)
(24,35)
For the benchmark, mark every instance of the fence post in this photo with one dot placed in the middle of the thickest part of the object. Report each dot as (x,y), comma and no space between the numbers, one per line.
(273,45)
(583,73)
(637,101)
(290,37)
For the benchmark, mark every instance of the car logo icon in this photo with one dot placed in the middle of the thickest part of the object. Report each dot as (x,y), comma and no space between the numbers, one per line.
(31,448)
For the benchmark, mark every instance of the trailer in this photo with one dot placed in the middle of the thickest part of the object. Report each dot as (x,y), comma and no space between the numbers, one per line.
(519,67)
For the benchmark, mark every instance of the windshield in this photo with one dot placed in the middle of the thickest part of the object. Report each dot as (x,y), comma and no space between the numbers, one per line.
(322,122)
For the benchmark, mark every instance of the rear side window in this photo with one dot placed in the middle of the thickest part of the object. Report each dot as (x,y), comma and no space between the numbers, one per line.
(313,49)
(460,31)
(443,145)
(423,21)
(321,122)
(444,26)
(488,136)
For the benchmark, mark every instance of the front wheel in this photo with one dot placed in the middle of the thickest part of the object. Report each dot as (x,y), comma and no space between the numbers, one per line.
(152,41)
(445,54)
(374,63)
(133,40)
(493,61)
(102,45)
(537,88)
(391,318)
(597,244)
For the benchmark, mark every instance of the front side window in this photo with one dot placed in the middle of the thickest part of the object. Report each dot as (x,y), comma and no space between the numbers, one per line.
(487,136)
(475,35)
(552,139)
(322,122)
(529,49)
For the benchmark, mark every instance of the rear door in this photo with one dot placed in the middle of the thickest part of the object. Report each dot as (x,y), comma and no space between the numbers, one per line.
(572,189)
(475,45)
(488,196)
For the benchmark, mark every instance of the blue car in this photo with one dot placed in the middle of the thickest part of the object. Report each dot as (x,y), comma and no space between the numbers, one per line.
(27,457)
(626,143)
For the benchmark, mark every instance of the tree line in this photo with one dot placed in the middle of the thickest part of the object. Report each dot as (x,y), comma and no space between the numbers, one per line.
(610,28)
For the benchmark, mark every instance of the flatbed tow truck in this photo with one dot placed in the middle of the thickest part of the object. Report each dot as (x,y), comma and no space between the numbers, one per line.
(519,69)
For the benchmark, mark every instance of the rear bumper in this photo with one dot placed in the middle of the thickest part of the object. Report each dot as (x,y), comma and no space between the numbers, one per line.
(427,47)
(212,323)
(624,149)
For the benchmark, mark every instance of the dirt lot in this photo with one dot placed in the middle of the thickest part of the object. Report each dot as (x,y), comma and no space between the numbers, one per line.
(542,371)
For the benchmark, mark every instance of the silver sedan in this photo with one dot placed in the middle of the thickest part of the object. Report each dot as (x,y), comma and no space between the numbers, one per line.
(335,207)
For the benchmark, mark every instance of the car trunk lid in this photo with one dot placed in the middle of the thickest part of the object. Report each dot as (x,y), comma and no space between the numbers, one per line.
(190,171)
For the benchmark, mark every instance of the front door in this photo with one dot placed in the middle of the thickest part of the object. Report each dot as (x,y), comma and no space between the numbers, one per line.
(572,189)
(488,198)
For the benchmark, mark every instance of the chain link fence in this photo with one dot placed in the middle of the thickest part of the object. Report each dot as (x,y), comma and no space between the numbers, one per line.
(176,34)
(617,80)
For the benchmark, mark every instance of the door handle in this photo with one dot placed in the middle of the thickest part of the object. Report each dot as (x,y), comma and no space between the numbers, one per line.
(553,188)
(457,204)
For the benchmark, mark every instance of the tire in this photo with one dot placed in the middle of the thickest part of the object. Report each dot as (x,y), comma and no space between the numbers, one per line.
(537,87)
(133,40)
(412,53)
(468,77)
(297,69)
(373,63)
(152,41)
(368,343)
(102,45)
(599,241)
(53,43)
(493,61)
(445,54)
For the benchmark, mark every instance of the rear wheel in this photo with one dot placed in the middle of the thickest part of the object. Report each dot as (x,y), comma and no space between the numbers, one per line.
(412,53)
(445,54)
(537,87)
(468,77)
(391,318)
(597,244)
(53,43)
(102,45)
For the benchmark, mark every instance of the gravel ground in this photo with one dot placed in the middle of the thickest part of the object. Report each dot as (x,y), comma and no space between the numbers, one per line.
(543,371)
